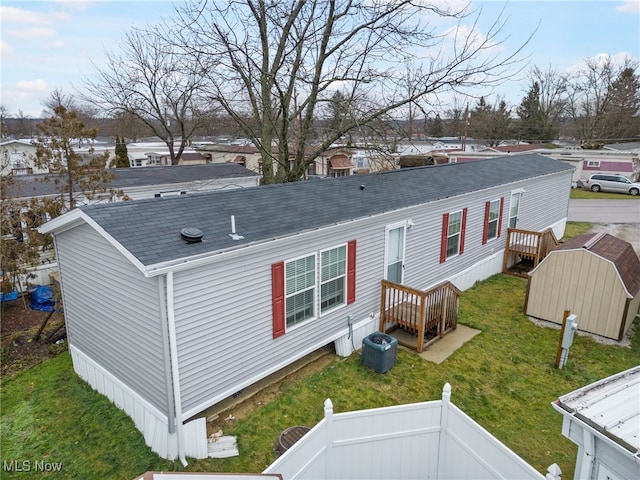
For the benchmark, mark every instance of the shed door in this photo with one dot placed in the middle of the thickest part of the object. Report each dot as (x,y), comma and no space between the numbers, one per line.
(394,257)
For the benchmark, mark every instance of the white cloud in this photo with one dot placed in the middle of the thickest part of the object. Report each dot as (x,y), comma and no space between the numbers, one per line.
(34,32)
(629,6)
(30,86)
(56,45)
(15,15)
(6,50)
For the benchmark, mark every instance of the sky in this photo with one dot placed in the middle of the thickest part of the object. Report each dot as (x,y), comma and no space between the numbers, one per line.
(48,45)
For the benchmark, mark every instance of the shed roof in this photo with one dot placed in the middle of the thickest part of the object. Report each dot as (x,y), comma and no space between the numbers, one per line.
(24,186)
(611,406)
(618,251)
(150,229)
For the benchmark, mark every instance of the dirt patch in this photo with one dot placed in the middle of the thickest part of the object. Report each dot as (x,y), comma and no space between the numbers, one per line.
(225,417)
(19,325)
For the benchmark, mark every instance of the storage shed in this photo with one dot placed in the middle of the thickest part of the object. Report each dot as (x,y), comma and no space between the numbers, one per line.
(596,277)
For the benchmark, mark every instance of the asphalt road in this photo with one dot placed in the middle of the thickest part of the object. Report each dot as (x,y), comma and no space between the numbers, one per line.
(604,211)
(620,218)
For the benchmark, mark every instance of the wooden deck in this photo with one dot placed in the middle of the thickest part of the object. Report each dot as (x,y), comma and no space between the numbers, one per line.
(525,249)
(427,315)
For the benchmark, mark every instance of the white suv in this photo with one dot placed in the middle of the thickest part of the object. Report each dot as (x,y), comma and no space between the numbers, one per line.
(612,183)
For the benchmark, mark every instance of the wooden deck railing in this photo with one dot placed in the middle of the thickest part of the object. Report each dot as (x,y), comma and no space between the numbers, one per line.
(421,312)
(527,245)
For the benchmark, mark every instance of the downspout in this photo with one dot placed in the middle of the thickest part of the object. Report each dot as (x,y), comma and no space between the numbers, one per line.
(173,348)
(171,411)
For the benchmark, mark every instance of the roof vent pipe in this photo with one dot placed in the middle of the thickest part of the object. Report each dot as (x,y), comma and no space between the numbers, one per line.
(233,234)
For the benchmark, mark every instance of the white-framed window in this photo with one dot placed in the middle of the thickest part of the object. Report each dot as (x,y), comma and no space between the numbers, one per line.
(300,289)
(454,232)
(333,275)
(514,207)
(493,219)
(593,163)
(310,286)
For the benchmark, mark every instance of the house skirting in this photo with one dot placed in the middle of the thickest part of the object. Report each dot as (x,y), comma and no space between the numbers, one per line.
(148,419)
(352,339)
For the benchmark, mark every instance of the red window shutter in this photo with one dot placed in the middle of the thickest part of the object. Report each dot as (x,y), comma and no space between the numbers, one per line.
(443,242)
(485,232)
(500,216)
(351,272)
(463,227)
(277,298)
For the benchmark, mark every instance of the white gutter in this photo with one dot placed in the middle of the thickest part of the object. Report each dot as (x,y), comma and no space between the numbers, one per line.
(173,348)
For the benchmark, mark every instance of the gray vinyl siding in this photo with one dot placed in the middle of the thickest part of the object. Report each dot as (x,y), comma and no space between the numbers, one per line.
(112,312)
(223,310)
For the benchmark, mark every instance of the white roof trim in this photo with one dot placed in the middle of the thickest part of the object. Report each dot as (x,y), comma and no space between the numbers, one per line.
(77,217)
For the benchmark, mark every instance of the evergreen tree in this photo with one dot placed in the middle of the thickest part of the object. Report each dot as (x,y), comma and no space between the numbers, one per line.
(437,127)
(122,156)
(73,171)
(531,117)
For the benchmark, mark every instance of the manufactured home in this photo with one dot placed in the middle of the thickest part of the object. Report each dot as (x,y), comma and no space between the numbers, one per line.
(174,304)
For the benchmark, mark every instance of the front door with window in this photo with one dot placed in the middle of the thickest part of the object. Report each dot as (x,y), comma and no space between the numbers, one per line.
(513,209)
(394,258)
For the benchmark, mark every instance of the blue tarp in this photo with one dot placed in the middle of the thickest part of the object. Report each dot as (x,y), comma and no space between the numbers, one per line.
(7,297)
(42,299)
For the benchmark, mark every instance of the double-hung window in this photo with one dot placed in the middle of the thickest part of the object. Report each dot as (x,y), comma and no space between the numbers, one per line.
(492,219)
(453,232)
(333,272)
(307,287)
(300,285)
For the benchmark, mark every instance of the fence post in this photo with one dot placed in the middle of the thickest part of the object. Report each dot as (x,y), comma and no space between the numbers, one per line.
(328,418)
(444,415)
(553,472)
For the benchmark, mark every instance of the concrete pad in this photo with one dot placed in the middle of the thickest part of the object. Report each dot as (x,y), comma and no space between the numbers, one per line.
(440,350)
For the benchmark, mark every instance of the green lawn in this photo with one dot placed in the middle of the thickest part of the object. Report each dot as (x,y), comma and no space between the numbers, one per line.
(503,378)
(581,193)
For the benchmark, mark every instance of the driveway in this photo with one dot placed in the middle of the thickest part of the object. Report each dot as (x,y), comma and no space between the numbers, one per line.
(620,218)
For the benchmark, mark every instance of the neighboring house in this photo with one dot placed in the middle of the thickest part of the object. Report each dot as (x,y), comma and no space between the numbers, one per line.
(163,158)
(628,147)
(585,162)
(603,419)
(232,286)
(144,183)
(246,155)
(596,277)
(135,184)
(334,162)
(16,158)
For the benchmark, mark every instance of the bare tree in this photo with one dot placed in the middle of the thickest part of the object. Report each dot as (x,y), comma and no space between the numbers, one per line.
(154,84)
(592,98)
(273,65)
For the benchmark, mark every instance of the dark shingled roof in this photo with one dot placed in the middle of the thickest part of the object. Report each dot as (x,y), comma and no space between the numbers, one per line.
(22,186)
(614,249)
(150,229)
